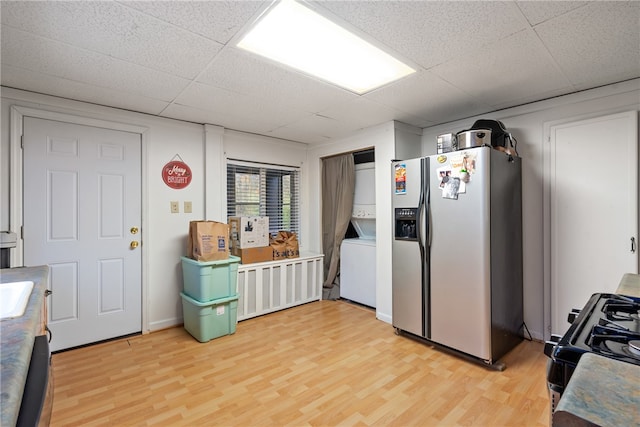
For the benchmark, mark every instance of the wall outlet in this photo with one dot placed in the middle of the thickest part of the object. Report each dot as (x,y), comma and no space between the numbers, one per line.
(188,208)
(175,207)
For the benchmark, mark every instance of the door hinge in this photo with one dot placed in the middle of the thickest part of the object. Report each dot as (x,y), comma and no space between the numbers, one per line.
(22,142)
(22,232)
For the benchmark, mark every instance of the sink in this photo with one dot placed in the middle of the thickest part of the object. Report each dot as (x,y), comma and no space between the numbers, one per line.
(14,297)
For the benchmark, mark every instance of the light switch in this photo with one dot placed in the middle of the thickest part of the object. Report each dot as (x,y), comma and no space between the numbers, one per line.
(175,207)
(187,207)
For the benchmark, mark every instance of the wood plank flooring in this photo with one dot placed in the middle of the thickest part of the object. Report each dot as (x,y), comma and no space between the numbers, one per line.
(327,363)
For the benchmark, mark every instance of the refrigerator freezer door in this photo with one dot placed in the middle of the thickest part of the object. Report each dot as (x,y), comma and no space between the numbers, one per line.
(460,256)
(408,294)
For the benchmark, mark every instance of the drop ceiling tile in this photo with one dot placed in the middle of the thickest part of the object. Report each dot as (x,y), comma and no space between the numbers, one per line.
(249,74)
(362,113)
(114,30)
(596,44)
(225,102)
(190,114)
(413,120)
(228,121)
(209,98)
(430,32)
(540,11)
(534,97)
(509,71)
(297,135)
(50,85)
(323,126)
(215,20)
(29,52)
(429,97)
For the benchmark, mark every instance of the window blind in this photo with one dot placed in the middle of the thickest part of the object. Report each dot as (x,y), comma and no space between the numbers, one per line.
(256,189)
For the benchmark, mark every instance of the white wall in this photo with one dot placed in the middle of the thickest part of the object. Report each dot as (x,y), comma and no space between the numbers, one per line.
(164,235)
(527,125)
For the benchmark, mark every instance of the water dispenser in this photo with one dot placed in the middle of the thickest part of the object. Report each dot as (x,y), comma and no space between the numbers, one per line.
(405,224)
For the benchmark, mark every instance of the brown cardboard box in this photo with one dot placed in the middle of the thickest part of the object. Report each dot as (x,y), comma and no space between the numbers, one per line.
(249,231)
(251,255)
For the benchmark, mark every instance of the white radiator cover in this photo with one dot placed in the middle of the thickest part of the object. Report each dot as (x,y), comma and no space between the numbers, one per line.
(271,286)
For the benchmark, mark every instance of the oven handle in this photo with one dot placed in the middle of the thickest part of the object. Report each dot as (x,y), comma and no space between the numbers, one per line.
(571,317)
(551,344)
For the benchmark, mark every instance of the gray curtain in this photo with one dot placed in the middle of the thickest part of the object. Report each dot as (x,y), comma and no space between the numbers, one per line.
(338,184)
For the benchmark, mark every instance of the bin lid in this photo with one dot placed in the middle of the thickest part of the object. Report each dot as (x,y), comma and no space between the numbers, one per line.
(8,239)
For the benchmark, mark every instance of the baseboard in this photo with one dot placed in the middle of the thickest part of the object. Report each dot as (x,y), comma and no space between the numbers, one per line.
(164,324)
(384,317)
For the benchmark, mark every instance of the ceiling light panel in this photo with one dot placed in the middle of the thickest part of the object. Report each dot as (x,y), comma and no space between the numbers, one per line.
(293,34)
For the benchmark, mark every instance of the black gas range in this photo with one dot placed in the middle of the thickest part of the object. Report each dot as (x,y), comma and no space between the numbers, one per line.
(608,325)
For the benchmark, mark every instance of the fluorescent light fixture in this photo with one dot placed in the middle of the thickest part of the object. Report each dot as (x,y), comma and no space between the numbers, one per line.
(302,39)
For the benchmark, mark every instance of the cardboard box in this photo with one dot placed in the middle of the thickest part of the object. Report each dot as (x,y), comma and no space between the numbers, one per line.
(249,231)
(251,255)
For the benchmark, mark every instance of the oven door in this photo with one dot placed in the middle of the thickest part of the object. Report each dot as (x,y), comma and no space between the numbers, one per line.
(37,398)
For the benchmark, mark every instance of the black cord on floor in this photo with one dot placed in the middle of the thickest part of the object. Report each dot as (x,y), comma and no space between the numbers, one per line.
(528,333)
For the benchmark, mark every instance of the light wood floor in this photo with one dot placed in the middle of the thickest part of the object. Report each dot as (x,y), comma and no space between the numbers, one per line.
(327,363)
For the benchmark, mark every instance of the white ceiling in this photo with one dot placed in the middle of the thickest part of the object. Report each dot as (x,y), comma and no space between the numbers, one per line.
(177,59)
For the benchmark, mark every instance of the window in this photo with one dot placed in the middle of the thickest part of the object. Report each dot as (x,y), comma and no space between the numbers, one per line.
(255,189)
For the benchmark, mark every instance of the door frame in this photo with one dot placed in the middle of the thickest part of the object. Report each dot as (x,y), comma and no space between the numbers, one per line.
(17,114)
(546,198)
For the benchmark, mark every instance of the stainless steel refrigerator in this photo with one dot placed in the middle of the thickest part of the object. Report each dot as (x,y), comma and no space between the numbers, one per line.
(457,251)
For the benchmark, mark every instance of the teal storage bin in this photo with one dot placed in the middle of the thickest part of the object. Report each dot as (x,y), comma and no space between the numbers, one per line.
(208,320)
(210,280)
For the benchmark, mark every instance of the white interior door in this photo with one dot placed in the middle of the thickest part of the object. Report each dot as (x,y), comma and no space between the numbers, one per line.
(82,210)
(593,210)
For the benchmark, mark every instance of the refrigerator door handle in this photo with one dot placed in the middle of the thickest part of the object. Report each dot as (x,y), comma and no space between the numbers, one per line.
(427,216)
(421,205)
(424,243)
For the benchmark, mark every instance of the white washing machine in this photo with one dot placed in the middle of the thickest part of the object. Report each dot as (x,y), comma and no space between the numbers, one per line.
(358,256)
(358,271)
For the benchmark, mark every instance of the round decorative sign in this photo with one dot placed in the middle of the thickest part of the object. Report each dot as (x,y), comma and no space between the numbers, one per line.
(176,174)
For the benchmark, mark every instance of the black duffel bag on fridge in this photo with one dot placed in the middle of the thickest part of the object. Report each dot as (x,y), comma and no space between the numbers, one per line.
(500,137)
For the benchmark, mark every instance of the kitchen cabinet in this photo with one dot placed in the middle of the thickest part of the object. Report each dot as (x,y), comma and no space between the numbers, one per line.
(17,341)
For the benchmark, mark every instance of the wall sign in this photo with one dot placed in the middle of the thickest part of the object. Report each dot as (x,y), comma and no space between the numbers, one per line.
(176,174)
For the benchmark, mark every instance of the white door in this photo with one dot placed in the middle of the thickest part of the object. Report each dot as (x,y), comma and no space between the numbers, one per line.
(82,210)
(593,210)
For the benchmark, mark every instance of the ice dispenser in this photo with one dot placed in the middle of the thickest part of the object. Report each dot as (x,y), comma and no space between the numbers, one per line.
(405,219)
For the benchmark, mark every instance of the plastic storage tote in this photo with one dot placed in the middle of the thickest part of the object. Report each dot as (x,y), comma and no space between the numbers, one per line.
(210,280)
(208,320)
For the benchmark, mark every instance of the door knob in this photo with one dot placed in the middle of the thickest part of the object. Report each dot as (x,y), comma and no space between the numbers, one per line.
(133,244)
(134,230)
